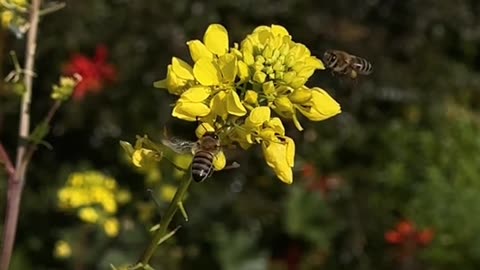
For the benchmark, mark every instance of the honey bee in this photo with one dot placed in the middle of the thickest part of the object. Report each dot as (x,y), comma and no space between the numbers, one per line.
(204,151)
(343,63)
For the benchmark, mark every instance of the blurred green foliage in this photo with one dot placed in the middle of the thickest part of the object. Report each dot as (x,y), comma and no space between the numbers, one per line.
(406,145)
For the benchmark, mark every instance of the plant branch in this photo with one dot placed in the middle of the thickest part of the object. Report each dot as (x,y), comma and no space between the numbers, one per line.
(5,159)
(32,147)
(17,181)
(165,220)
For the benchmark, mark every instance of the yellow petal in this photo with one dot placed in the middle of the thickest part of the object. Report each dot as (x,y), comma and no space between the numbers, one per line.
(189,111)
(322,106)
(219,161)
(243,71)
(298,82)
(259,76)
(182,69)
(204,128)
(234,105)
(206,72)
(275,156)
(218,105)
(173,83)
(196,93)
(301,95)
(279,30)
(290,151)
(258,116)
(283,105)
(268,88)
(268,135)
(139,156)
(228,66)
(198,50)
(276,124)
(216,39)
(251,97)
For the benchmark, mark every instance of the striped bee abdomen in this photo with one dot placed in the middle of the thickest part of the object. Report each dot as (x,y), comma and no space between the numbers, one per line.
(362,66)
(202,166)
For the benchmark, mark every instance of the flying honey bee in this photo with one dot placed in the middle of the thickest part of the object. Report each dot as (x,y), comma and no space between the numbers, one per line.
(343,63)
(204,152)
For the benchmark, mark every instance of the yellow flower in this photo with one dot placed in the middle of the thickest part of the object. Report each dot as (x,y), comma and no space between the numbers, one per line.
(88,214)
(62,250)
(6,17)
(167,192)
(111,227)
(109,205)
(280,157)
(64,89)
(270,54)
(320,107)
(143,157)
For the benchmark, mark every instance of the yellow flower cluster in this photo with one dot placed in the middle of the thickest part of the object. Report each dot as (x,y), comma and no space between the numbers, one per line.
(235,91)
(95,197)
(12,12)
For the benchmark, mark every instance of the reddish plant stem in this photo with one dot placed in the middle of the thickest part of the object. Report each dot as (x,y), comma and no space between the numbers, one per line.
(17,180)
(5,159)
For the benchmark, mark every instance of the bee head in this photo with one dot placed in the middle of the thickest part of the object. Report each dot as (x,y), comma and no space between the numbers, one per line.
(212,135)
(330,58)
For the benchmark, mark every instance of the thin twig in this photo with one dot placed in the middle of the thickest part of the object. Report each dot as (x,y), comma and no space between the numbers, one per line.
(5,159)
(16,183)
(53,8)
(32,147)
(166,219)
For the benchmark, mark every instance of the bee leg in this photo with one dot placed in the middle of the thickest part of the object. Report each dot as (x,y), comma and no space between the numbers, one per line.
(234,165)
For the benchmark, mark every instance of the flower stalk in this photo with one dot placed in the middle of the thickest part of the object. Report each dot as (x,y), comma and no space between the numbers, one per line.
(16,180)
(165,221)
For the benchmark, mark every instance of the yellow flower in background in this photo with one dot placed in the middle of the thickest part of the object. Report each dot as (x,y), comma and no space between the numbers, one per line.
(167,192)
(7,17)
(123,196)
(95,198)
(62,249)
(111,226)
(88,214)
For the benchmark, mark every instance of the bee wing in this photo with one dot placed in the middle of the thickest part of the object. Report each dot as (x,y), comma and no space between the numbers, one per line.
(180,146)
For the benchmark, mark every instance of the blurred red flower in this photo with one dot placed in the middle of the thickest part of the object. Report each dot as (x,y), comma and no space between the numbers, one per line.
(405,233)
(95,72)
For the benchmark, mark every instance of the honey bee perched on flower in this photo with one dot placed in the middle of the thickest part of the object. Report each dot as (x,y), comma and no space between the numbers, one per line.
(343,63)
(207,155)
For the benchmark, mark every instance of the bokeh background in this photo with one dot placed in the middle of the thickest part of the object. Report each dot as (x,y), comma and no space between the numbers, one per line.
(391,183)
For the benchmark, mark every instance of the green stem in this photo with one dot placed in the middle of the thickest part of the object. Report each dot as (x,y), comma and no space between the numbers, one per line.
(166,219)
